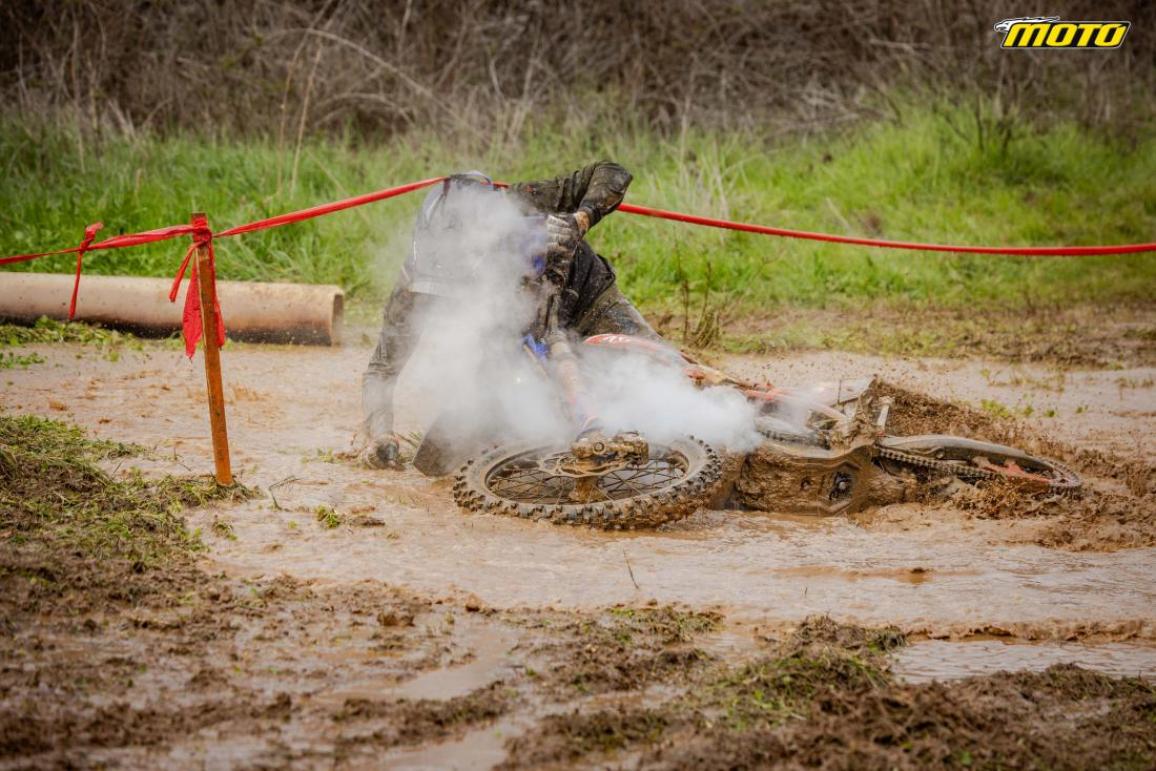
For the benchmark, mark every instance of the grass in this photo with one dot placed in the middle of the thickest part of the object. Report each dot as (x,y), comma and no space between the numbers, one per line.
(52,492)
(328,517)
(109,343)
(10,360)
(923,176)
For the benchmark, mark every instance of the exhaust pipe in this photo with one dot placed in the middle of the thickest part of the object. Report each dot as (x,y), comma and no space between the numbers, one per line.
(254,311)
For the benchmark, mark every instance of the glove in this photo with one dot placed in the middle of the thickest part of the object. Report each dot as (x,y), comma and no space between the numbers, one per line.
(382,452)
(563,233)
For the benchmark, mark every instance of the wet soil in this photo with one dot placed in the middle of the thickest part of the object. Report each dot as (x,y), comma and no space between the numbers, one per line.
(825,696)
(1081,336)
(357,617)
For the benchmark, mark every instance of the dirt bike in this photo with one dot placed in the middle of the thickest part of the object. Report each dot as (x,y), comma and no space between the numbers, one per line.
(823,452)
(611,481)
(841,460)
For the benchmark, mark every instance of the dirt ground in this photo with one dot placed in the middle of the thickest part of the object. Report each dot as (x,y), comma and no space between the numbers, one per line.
(358,618)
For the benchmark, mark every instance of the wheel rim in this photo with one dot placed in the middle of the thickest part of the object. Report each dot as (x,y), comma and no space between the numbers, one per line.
(521,479)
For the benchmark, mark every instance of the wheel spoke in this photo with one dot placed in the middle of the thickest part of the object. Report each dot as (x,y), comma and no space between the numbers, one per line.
(627,483)
(524,480)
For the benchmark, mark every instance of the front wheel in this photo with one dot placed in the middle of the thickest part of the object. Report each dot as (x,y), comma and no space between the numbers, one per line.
(973,460)
(673,482)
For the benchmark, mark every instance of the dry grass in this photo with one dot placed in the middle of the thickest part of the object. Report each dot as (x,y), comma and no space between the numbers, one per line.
(479,69)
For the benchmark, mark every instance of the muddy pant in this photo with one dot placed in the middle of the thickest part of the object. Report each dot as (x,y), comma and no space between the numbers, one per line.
(613,313)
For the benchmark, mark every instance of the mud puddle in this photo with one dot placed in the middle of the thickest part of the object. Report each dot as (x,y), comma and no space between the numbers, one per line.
(489,647)
(478,750)
(926,568)
(941,574)
(929,660)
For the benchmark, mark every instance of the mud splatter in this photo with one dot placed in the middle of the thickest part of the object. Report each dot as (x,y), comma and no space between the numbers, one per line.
(1041,335)
(1092,520)
(825,696)
(916,413)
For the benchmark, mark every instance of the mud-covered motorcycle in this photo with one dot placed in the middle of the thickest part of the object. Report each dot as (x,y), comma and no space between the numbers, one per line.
(823,452)
(842,459)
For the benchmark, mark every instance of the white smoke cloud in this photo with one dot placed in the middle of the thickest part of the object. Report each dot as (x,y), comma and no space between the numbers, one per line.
(471,360)
(470,356)
(632,391)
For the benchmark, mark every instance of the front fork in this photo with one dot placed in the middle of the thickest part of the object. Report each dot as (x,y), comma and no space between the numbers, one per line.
(567,373)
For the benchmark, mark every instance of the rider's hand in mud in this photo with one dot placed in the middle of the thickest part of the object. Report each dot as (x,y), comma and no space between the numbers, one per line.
(383,452)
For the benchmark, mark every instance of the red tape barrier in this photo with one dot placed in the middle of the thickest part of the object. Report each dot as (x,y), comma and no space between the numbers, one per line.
(1030,251)
(203,237)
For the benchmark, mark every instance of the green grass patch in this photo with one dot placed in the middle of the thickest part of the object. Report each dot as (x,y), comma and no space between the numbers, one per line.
(108,343)
(922,176)
(52,492)
(47,330)
(11,360)
(328,517)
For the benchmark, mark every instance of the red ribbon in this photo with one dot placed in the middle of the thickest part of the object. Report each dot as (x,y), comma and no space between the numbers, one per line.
(1031,251)
(328,208)
(192,326)
(116,242)
(89,234)
(202,236)
(162,234)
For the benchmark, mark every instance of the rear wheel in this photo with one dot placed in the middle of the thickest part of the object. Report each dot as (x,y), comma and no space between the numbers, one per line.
(524,481)
(972,460)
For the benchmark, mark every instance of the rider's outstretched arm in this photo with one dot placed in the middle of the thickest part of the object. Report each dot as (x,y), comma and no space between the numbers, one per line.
(574,203)
(593,191)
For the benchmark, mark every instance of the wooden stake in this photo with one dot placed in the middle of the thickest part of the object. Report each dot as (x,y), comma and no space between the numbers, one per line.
(207,283)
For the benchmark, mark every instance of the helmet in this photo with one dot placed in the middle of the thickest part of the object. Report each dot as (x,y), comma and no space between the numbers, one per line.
(441,261)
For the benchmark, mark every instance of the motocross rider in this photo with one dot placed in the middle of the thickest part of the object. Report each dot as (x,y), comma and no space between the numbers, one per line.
(579,280)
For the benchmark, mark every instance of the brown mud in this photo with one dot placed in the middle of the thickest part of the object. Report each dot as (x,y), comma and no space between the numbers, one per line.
(1097,422)
(357,617)
(1079,336)
(825,696)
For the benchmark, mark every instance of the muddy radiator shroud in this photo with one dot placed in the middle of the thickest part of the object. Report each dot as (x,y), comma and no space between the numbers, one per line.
(254,311)
(803,479)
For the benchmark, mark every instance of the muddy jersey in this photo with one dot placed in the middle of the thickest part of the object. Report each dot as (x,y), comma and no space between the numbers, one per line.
(596,189)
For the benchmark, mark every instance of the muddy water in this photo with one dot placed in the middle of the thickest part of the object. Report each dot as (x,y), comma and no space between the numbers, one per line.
(482,748)
(938,660)
(748,564)
(289,408)
(489,660)
(1111,410)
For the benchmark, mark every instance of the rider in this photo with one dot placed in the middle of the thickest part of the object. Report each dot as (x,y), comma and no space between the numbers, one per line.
(581,281)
